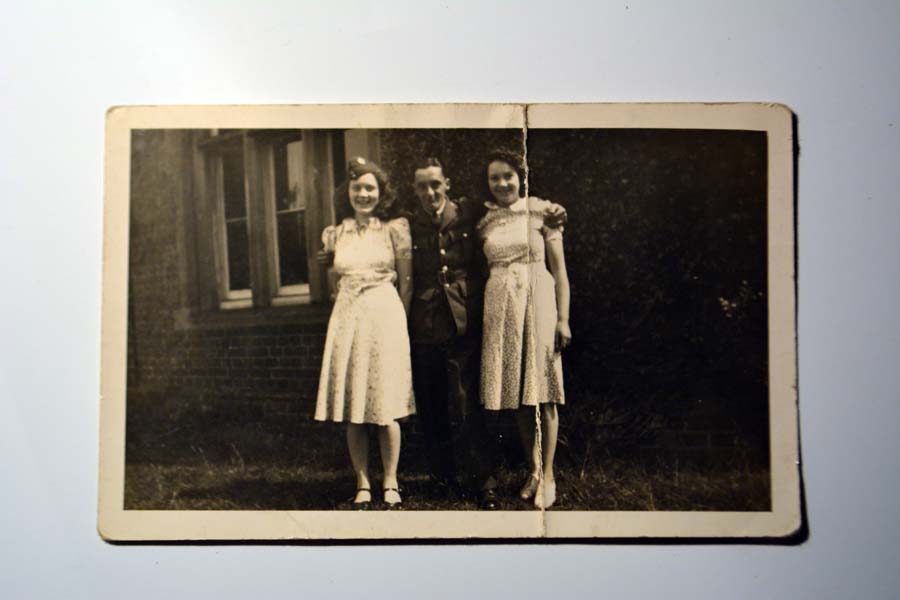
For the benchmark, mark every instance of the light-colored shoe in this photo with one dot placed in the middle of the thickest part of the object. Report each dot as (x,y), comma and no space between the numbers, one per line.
(545,495)
(392,496)
(530,487)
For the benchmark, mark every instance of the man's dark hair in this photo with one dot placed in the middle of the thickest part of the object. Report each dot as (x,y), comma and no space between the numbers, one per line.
(431,161)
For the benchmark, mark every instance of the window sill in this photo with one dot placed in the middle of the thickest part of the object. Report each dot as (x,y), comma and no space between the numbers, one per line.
(234,318)
(294,300)
(236,304)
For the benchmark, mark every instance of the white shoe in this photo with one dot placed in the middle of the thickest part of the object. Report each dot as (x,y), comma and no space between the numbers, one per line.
(530,487)
(545,495)
(392,496)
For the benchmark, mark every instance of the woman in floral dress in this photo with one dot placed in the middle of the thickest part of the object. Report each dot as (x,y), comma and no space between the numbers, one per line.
(526,318)
(366,377)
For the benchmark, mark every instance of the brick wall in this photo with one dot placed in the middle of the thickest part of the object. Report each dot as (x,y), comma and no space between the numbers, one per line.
(180,365)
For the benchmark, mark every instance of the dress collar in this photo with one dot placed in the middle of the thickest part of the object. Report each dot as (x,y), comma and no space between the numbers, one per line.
(519,205)
(350,225)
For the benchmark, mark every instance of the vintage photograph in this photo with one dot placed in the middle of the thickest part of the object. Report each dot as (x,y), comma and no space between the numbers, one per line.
(477,328)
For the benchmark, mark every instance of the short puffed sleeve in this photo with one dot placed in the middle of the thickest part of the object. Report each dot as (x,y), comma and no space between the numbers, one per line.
(329,238)
(400,237)
(554,233)
(542,207)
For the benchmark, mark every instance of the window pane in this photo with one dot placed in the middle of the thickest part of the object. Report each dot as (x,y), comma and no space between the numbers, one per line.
(233,185)
(292,248)
(238,255)
(288,176)
(338,157)
(282,189)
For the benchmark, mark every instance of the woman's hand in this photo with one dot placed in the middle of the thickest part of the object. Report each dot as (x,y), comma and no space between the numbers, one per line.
(563,335)
(555,216)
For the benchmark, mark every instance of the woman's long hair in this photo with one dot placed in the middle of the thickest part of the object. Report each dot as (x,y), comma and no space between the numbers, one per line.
(510,157)
(387,207)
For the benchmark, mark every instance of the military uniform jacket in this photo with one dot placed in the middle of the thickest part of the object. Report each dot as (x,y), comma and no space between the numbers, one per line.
(449,271)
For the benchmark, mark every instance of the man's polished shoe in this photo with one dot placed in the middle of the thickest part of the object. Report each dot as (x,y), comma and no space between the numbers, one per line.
(488,500)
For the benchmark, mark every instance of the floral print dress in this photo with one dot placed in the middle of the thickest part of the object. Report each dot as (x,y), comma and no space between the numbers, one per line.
(519,365)
(366,375)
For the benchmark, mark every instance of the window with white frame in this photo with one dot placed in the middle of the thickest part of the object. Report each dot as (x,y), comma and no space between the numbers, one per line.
(269,193)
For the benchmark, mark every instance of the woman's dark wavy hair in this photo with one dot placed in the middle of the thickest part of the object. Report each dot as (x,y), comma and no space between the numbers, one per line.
(510,157)
(387,207)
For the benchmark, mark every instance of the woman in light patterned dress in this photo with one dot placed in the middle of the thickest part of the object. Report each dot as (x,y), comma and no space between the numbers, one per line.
(366,379)
(526,318)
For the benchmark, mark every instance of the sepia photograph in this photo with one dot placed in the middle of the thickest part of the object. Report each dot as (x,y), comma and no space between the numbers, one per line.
(471,321)
(540,300)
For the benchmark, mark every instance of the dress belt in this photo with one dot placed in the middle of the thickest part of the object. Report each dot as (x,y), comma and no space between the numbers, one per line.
(357,284)
(510,263)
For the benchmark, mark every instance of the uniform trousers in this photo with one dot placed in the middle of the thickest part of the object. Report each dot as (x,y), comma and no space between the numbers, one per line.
(461,444)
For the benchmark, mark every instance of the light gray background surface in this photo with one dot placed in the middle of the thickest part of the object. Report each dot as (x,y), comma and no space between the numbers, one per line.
(836,63)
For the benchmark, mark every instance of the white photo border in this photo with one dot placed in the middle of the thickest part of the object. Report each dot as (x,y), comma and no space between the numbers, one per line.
(784,519)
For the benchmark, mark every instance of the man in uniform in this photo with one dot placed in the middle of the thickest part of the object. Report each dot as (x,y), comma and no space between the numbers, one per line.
(449,272)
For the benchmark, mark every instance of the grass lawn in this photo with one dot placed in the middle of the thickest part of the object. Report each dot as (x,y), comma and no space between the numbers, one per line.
(253,465)
(616,484)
